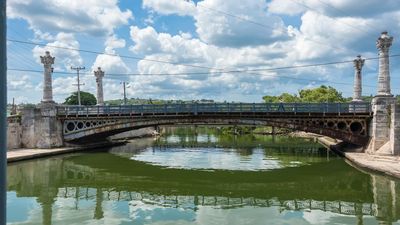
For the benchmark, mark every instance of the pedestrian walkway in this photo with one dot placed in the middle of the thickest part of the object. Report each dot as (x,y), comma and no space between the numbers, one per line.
(25,154)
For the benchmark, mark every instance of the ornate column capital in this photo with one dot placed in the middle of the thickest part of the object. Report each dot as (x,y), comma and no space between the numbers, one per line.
(384,41)
(47,60)
(358,63)
(99,73)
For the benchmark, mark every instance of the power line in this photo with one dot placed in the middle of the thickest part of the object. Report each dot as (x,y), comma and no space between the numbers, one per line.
(111,54)
(221,72)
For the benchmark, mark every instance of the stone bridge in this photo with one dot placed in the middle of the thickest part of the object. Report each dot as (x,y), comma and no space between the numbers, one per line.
(346,121)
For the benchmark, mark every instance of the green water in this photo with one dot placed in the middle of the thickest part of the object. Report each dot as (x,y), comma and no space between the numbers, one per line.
(200,177)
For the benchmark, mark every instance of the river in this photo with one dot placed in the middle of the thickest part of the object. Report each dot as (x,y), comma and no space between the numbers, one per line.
(200,176)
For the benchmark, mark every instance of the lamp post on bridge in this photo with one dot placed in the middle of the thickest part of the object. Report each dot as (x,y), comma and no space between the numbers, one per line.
(99,74)
(358,64)
(47,61)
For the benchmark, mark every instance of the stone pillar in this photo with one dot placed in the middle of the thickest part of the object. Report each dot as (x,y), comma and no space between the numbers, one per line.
(47,61)
(358,64)
(383,102)
(99,80)
(383,44)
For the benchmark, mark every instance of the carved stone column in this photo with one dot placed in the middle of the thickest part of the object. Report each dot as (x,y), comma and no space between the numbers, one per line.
(358,64)
(383,44)
(99,80)
(47,61)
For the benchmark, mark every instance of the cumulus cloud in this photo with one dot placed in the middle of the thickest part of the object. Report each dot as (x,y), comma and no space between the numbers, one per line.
(250,24)
(167,7)
(334,8)
(17,82)
(90,17)
(111,62)
(64,58)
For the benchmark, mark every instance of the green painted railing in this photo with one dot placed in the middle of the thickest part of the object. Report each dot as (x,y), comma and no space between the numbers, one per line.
(227,108)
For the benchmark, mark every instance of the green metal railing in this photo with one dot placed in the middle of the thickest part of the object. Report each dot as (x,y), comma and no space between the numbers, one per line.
(227,108)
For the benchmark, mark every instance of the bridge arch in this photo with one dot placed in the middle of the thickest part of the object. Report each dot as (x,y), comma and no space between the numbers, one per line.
(348,128)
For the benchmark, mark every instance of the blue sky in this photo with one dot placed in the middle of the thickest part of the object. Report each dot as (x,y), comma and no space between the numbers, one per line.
(198,37)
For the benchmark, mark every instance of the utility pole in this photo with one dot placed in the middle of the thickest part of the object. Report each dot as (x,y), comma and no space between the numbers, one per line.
(79,84)
(3,110)
(124,84)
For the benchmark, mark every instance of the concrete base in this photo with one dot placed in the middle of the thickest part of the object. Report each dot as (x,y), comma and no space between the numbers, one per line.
(40,127)
(14,135)
(380,127)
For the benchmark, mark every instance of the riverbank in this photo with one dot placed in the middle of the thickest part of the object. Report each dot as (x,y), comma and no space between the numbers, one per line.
(21,154)
(385,164)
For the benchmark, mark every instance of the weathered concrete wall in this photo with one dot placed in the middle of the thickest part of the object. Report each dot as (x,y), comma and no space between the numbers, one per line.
(395,130)
(14,132)
(379,130)
(40,128)
(144,132)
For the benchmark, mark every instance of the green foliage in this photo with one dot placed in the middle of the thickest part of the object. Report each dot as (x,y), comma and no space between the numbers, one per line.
(86,99)
(320,94)
(285,97)
(398,98)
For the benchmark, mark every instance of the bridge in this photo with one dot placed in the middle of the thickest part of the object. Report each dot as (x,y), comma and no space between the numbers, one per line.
(375,125)
(346,121)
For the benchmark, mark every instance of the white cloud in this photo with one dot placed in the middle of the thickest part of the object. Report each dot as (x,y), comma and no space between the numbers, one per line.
(215,27)
(167,7)
(17,82)
(111,62)
(64,58)
(145,40)
(90,17)
(334,8)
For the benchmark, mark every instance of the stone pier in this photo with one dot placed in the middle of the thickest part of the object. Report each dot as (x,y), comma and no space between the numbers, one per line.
(99,74)
(385,124)
(41,128)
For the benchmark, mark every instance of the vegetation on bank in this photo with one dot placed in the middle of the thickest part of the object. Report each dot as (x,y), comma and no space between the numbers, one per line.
(315,95)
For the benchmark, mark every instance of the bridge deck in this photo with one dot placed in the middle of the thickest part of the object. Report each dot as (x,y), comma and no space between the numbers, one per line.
(217,108)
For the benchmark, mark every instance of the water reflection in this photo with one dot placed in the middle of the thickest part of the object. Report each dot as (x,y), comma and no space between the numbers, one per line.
(111,188)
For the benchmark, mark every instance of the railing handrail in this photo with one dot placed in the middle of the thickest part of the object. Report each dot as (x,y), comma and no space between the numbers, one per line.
(199,108)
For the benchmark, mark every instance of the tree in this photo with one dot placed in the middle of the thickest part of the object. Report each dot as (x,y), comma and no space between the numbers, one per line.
(320,94)
(86,99)
(284,97)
